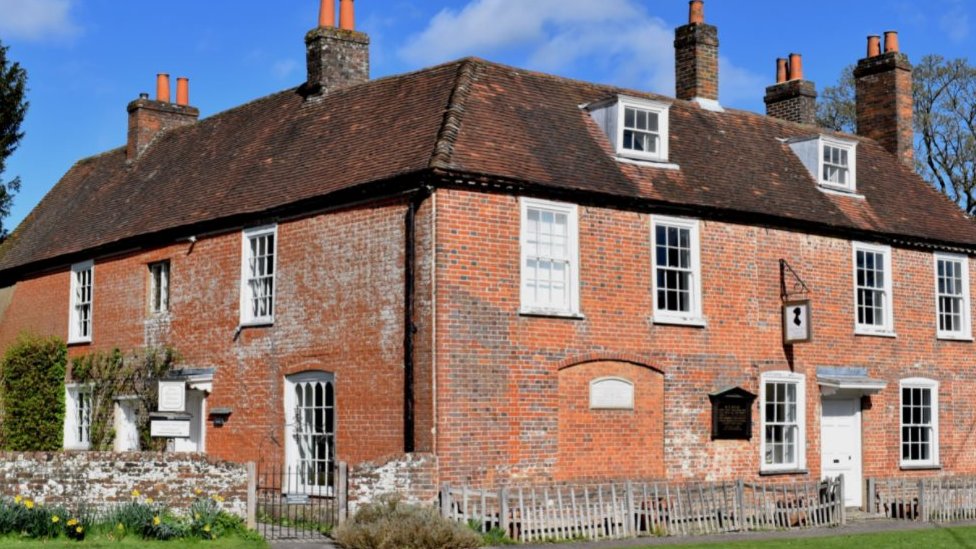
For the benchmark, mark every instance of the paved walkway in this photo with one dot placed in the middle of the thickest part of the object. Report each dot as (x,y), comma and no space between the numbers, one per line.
(856,527)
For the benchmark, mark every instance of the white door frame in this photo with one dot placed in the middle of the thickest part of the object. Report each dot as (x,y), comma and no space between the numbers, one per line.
(855,497)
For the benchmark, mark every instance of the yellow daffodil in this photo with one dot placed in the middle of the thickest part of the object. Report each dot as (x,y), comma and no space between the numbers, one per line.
(120,526)
(218,498)
(55,518)
(156,521)
(206,528)
(79,529)
(28,504)
(135,493)
(72,522)
(197,491)
(196,516)
(18,499)
(149,501)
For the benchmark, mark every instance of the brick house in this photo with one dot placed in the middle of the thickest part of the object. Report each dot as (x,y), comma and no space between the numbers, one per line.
(509,276)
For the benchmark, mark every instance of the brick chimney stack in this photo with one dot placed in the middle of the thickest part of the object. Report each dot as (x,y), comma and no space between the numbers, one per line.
(336,57)
(883,86)
(696,57)
(792,98)
(148,118)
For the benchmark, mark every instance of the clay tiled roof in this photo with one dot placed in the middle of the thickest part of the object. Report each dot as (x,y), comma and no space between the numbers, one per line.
(469,117)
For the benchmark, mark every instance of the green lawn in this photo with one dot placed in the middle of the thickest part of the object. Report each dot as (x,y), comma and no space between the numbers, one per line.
(943,538)
(230,542)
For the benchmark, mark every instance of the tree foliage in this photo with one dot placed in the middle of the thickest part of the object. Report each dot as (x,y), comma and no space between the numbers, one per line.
(33,394)
(13,108)
(945,123)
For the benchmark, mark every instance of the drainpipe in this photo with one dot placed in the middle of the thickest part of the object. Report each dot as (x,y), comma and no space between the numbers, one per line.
(409,328)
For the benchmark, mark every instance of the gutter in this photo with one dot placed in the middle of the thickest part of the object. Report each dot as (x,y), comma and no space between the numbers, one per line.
(409,327)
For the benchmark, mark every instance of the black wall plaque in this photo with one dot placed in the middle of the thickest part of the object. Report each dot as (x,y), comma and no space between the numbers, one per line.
(732,414)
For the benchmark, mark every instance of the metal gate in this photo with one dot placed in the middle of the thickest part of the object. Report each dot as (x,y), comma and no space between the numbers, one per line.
(289,506)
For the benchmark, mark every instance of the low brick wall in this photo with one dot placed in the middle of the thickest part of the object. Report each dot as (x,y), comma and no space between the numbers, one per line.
(105,479)
(412,476)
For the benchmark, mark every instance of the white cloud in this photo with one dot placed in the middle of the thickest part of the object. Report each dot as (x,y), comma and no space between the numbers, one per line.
(612,41)
(37,19)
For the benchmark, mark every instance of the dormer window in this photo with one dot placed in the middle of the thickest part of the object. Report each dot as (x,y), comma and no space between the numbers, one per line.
(831,161)
(637,128)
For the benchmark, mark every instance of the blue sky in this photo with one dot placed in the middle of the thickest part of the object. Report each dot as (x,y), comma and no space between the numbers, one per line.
(86,59)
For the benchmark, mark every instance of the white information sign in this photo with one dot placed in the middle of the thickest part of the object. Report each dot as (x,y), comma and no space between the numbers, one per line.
(170,428)
(796,322)
(611,393)
(172,396)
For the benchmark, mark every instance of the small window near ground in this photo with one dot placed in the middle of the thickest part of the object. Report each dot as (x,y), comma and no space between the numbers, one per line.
(782,411)
(82,292)
(872,290)
(952,296)
(919,422)
(258,275)
(159,287)
(77,417)
(310,428)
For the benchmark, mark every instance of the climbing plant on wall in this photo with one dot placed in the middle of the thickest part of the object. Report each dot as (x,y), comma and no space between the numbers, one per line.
(113,374)
(33,394)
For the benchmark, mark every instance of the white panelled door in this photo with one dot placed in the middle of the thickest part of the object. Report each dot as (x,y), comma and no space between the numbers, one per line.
(840,443)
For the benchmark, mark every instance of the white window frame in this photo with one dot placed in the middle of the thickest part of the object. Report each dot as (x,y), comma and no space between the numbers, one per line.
(800,462)
(75,332)
(72,392)
(295,481)
(160,287)
(658,108)
(964,332)
(248,318)
(887,329)
(933,386)
(572,306)
(694,316)
(851,148)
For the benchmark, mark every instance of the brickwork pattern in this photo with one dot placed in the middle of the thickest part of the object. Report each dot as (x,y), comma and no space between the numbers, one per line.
(500,386)
(696,62)
(336,58)
(794,101)
(883,86)
(411,476)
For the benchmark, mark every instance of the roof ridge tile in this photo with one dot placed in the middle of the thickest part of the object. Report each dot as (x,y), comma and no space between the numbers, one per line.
(467,74)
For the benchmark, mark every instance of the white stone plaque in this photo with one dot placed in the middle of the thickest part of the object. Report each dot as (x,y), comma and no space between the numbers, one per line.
(172,396)
(170,428)
(611,393)
(796,322)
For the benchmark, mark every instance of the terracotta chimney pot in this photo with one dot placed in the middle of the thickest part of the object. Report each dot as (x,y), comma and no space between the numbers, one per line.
(781,70)
(874,45)
(347,19)
(183,91)
(891,41)
(162,87)
(327,14)
(796,67)
(696,12)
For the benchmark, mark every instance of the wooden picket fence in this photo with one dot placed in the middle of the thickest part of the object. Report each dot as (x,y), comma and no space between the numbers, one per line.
(935,499)
(629,509)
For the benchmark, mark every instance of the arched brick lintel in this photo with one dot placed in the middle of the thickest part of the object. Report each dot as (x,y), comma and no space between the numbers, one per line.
(602,357)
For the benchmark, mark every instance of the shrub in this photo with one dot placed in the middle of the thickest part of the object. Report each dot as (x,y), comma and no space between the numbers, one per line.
(33,394)
(389,523)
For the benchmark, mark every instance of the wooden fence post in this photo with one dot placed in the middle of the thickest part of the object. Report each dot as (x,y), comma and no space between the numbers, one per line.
(342,495)
(843,506)
(446,500)
(503,519)
(252,495)
(868,506)
(740,504)
(631,525)
(922,507)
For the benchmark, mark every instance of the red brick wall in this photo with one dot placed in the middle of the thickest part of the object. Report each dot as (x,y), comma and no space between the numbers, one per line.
(593,442)
(499,385)
(339,308)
